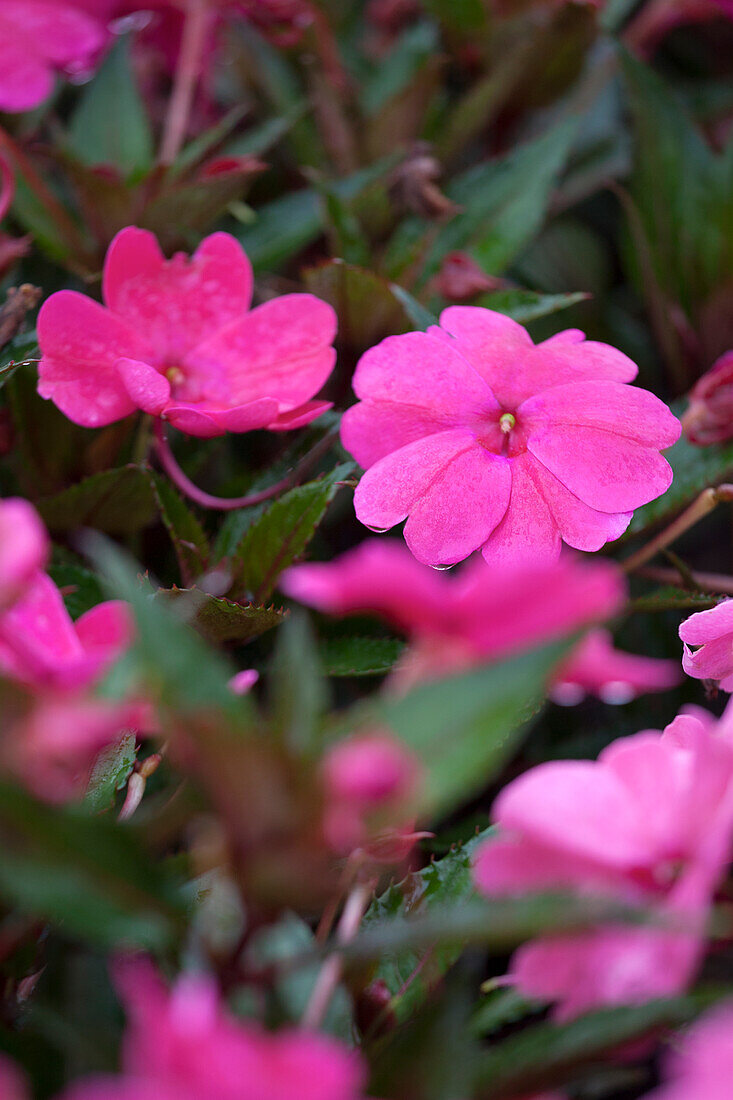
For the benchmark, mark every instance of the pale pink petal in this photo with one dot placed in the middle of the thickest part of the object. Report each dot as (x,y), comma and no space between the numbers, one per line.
(107,629)
(493,343)
(528,531)
(244,681)
(459,509)
(372,430)
(707,626)
(713,661)
(578,807)
(26,80)
(606,471)
(299,416)
(206,421)
(24,548)
(580,526)
(147,388)
(281,349)
(81,343)
(598,667)
(622,410)
(515,866)
(37,636)
(182,301)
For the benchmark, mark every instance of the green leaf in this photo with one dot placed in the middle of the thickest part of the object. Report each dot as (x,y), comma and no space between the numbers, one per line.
(86,874)
(221,620)
(19,350)
(185,211)
(116,502)
(548,1054)
(282,534)
(297,692)
(694,468)
(110,124)
(356,655)
(368,307)
(670,598)
(443,883)
(413,49)
(421,317)
(47,443)
(503,202)
(187,534)
(527,305)
(464,728)
(81,588)
(111,771)
(462,16)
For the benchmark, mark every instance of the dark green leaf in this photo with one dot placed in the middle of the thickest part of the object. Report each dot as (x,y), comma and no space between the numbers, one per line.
(282,534)
(183,212)
(413,49)
(297,692)
(221,620)
(187,534)
(110,124)
(111,771)
(81,588)
(527,305)
(421,317)
(368,307)
(359,656)
(116,502)
(87,874)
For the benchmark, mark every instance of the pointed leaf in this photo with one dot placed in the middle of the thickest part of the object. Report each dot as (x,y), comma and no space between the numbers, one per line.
(187,534)
(116,502)
(220,620)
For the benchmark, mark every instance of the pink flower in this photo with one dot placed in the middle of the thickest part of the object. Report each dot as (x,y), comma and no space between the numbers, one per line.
(183,1045)
(709,416)
(52,749)
(650,822)
(701,1065)
(370,782)
(12,1082)
(40,645)
(178,340)
(711,632)
(596,667)
(38,38)
(244,681)
(480,439)
(24,548)
(456,621)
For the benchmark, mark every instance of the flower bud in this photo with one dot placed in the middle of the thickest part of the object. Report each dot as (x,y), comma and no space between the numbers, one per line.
(709,417)
(460,278)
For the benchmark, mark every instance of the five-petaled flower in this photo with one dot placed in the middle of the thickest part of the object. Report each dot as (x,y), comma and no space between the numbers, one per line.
(177,339)
(482,439)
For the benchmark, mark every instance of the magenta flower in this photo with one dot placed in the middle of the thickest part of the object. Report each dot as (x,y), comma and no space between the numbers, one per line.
(40,645)
(183,1045)
(596,667)
(701,1064)
(650,822)
(456,621)
(177,339)
(24,547)
(711,634)
(37,39)
(480,439)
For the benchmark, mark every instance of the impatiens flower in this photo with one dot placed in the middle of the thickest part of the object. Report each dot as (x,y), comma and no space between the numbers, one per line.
(482,440)
(42,647)
(454,622)
(709,416)
(183,1045)
(650,822)
(370,781)
(596,667)
(24,547)
(708,645)
(37,39)
(177,339)
(701,1065)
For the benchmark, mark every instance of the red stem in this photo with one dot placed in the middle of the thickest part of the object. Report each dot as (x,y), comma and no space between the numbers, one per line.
(188,72)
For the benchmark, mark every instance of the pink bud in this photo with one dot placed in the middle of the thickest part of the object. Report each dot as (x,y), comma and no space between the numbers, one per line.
(369,769)
(460,277)
(709,417)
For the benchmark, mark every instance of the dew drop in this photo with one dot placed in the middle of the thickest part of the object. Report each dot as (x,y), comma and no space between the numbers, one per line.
(377,530)
(442,568)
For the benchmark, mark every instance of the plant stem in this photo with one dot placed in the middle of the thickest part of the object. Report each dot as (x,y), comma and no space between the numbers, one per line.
(188,72)
(330,973)
(228,504)
(705,503)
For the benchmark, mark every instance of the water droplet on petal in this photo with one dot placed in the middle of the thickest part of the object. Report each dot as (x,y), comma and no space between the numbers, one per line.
(377,530)
(443,568)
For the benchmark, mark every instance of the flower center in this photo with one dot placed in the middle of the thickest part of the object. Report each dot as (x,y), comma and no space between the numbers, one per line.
(506,422)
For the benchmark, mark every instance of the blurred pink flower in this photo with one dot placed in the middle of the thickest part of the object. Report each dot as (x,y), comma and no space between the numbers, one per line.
(701,1064)
(24,548)
(711,633)
(596,667)
(52,749)
(40,645)
(12,1081)
(480,439)
(178,340)
(650,822)
(370,782)
(38,38)
(183,1045)
(244,681)
(456,621)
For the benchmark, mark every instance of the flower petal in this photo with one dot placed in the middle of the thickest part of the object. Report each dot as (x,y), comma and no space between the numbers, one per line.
(147,387)
(528,531)
(625,411)
(300,415)
(580,526)
(282,349)
(606,471)
(177,302)
(206,421)
(707,626)
(81,343)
